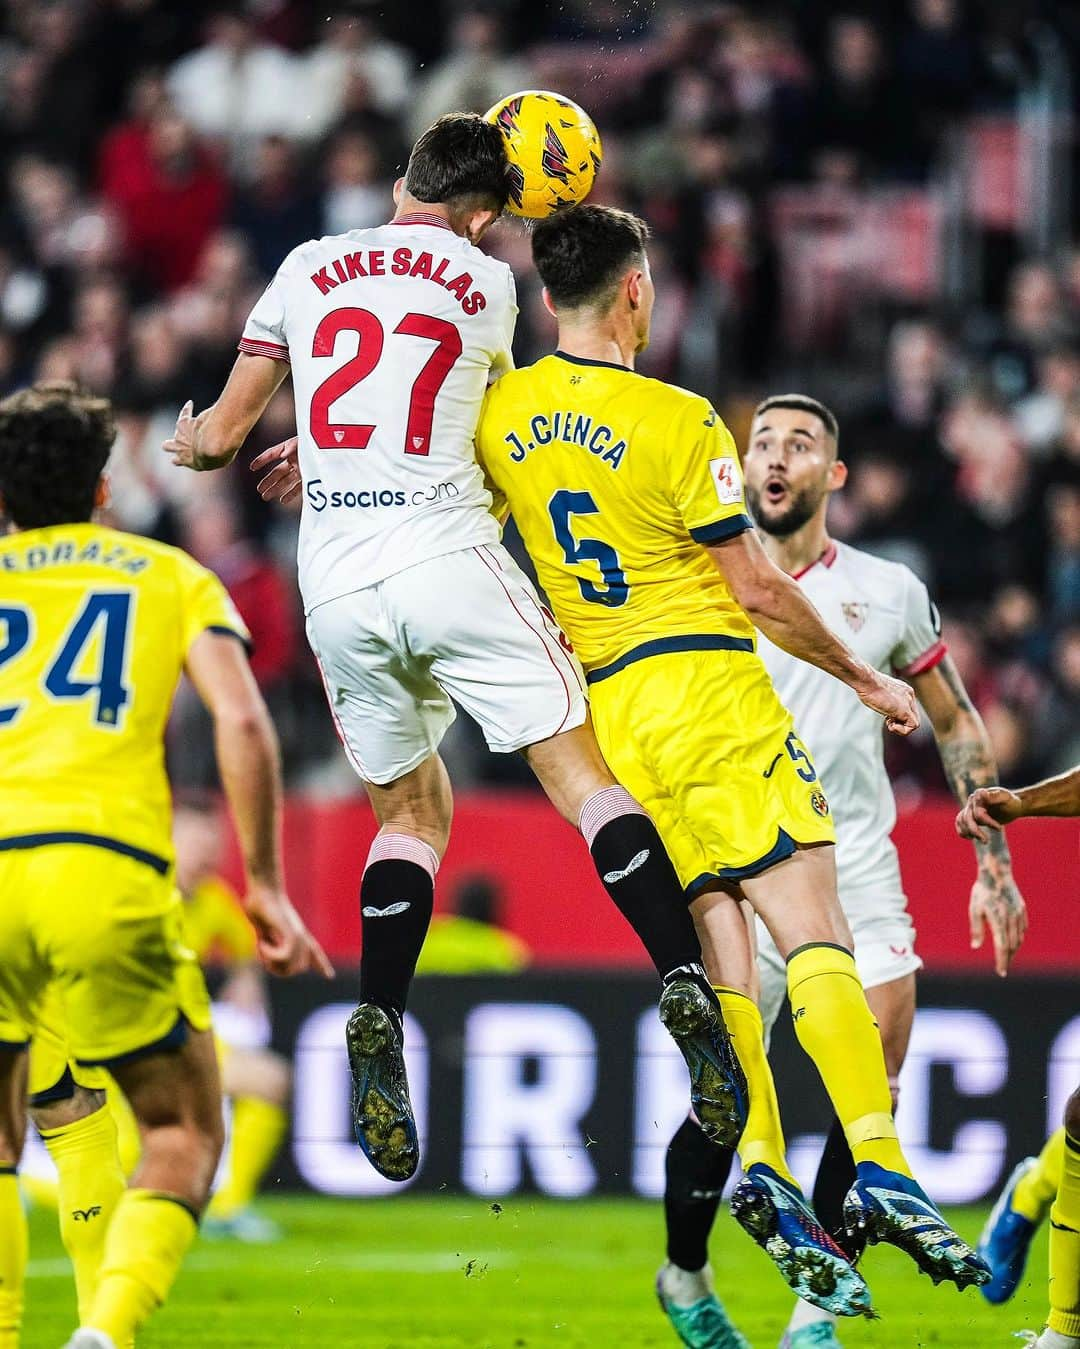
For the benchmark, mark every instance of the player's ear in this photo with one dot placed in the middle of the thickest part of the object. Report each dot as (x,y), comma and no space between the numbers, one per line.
(103,493)
(635,281)
(837,475)
(478,225)
(549,304)
(399,189)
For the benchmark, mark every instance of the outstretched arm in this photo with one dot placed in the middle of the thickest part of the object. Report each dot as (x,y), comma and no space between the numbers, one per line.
(213,438)
(777,606)
(989,808)
(967,757)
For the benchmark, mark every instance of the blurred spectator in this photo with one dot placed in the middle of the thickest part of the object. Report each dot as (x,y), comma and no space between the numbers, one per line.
(475,72)
(276,210)
(1035,319)
(355,197)
(1063,552)
(353,47)
(469,938)
(169,193)
(237,88)
(1040,416)
(938,59)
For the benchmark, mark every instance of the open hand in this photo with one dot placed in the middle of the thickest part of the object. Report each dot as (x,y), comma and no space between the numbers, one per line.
(283,483)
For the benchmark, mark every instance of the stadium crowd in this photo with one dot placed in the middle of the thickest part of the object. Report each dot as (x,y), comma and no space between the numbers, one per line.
(159,160)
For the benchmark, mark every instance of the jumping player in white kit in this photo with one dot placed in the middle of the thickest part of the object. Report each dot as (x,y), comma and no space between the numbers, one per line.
(883,611)
(392,335)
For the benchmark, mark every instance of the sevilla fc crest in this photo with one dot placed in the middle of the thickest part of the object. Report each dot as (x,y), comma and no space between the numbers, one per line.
(855,613)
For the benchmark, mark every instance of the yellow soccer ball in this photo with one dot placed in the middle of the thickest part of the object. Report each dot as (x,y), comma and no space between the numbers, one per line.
(554,151)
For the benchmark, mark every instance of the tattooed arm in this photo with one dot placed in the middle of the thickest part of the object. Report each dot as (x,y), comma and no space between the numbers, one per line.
(991,807)
(968,760)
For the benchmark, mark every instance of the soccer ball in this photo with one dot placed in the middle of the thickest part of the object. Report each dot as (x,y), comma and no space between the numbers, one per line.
(554,151)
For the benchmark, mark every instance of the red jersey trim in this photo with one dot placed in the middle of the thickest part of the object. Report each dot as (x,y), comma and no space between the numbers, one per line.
(422,218)
(253,347)
(934,656)
(827,558)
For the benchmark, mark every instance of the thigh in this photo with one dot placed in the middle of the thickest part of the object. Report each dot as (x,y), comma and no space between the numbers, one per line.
(389,711)
(176,1088)
(727,940)
(797,901)
(495,649)
(126,979)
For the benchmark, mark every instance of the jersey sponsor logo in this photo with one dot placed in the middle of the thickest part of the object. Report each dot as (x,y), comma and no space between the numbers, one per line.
(820,803)
(711,420)
(319,499)
(900,950)
(855,612)
(637,861)
(726,479)
(391,910)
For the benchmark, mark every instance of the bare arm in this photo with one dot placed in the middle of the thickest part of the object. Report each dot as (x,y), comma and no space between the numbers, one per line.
(777,606)
(967,757)
(213,438)
(989,808)
(247,753)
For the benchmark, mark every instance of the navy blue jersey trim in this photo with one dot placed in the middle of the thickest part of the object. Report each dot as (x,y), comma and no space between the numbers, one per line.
(63,1089)
(174,1040)
(20,842)
(586,360)
(661,646)
(781,850)
(721,530)
(223,631)
(14,1046)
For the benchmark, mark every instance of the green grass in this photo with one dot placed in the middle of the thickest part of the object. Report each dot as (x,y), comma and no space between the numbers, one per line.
(455,1272)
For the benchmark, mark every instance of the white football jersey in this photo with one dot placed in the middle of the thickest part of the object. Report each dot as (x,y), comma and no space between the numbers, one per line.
(884,613)
(393,335)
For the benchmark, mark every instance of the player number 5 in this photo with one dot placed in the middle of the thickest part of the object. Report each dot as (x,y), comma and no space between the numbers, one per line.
(562,506)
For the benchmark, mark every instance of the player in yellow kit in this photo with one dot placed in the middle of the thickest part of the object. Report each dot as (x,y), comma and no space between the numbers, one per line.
(628,494)
(95,629)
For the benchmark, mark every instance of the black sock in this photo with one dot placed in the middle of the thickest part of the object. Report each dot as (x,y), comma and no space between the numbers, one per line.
(697,1171)
(640,879)
(835,1176)
(396,899)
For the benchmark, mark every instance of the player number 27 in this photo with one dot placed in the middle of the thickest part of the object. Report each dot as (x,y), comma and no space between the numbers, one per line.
(562,506)
(370,335)
(65,679)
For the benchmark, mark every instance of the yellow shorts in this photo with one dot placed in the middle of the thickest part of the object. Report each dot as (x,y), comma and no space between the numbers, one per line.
(701,739)
(102,933)
(53,1072)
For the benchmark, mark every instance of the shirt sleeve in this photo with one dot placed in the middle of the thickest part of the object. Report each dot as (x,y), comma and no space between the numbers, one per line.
(206,606)
(920,647)
(707,475)
(264,332)
(504,359)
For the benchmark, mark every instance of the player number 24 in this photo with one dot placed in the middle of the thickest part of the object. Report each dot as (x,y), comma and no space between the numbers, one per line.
(329,435)
(65,680)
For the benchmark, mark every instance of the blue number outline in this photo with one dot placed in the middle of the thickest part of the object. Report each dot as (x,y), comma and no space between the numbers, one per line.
(561,507)
(13,647)
(796,752)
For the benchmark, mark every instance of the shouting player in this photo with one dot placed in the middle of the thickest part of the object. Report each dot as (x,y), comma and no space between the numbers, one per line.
(97,627)
(393,334)
(882,609)
(1005,1243)
(629,496)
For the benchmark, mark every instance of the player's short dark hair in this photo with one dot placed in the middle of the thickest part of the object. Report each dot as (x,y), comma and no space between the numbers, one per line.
(581,253)
(55,440)
(458,160)
(802,402)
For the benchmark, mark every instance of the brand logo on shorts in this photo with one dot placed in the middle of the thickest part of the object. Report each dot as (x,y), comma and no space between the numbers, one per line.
(638,860)
(899,950)
(856,614)
(83,1215)
(370,911)
(820,803)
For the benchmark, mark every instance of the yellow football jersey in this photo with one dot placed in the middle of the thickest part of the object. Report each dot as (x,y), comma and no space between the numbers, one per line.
(215,925)
(95,626)
(615,481)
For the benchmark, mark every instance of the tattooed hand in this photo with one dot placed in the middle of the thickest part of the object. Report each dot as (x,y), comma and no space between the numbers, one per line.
(997,904)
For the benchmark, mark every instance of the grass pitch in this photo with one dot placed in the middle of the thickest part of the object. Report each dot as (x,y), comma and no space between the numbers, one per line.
(455,1272)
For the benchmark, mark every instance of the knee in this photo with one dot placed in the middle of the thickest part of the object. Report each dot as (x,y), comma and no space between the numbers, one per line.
(57,1114)
(894,1090)
(1072,1115)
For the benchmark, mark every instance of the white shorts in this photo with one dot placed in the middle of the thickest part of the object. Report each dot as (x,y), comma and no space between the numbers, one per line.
(884,947)
(467,626)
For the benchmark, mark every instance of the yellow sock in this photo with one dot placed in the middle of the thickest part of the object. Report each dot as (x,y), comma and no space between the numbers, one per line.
(257,1130)
(1065,1245)
(128,1142)
(763,1138)
(835,1027)
(145,1246)
(1036,1191)
(13,1245)
(90,1187)
(40,1191)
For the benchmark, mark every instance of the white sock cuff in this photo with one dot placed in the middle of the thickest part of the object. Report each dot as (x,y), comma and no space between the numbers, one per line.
(403,848)
(609,803)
